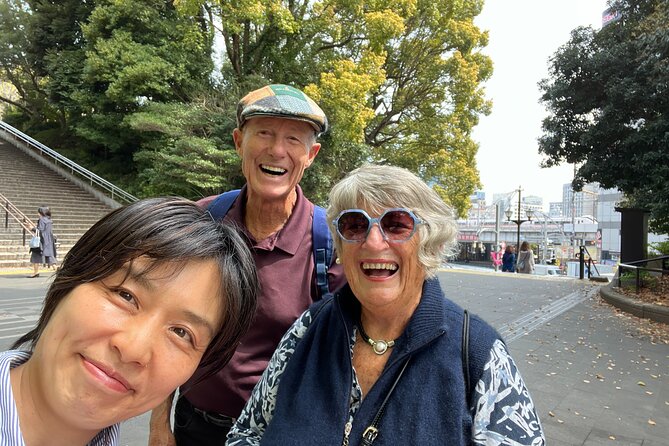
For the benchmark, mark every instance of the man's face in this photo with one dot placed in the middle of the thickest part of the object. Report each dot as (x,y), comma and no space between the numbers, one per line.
(275,152)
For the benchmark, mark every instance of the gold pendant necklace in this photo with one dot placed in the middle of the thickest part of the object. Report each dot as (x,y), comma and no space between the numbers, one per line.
(380,346)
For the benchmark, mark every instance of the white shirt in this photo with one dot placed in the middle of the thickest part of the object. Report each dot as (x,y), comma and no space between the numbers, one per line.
(10,430)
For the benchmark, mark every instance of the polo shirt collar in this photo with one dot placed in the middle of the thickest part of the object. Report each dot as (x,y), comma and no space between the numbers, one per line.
(290,237)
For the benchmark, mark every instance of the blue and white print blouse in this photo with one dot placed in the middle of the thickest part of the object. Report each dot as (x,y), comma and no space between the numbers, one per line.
(503,412)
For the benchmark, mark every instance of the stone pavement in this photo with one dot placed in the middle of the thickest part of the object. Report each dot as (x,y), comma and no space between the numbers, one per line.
(598,377)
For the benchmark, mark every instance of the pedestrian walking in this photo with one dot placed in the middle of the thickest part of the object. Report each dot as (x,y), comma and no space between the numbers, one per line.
(496,257)
(525,264)
(509,260)
(46,252)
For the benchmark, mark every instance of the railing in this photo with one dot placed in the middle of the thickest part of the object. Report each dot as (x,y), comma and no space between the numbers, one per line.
(16,214)
(114,191)
(582,262)
(640,270)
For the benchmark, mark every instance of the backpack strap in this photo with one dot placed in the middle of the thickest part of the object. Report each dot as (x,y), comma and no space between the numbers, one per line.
(320,235)
(322,247)
(475,355)
(222,204)
(465,356)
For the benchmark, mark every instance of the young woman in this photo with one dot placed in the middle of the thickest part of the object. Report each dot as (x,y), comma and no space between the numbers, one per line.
(150,292)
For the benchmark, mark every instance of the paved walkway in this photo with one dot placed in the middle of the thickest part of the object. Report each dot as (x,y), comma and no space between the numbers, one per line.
(598,376)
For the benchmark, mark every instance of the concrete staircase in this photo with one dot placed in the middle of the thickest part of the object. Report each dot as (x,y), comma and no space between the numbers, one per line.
(28,184)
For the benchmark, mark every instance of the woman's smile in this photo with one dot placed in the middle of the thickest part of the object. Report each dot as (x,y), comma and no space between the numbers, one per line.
(379,269)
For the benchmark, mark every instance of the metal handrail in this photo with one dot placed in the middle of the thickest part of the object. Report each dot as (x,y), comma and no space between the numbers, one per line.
(74,168)
(638,269)
(16,214)
(591,264)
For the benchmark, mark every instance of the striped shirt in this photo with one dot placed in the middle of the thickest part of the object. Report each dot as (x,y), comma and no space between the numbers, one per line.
(10,430)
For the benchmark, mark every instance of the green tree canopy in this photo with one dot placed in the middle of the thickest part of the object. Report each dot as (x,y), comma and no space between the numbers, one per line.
(129,81)
(400,80)
(608,99)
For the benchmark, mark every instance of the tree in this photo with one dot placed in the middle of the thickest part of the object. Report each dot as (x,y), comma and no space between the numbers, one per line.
(137,52)
(187,148)
(400,80)
(608,101)
(16,67)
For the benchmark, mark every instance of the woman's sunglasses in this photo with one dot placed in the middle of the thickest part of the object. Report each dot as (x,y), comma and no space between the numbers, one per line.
(396,225)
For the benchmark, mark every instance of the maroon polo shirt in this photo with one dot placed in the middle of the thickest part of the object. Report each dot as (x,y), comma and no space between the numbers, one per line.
(285,264)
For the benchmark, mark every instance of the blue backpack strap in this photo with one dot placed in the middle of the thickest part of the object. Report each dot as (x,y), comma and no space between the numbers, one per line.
(322,246)
(221,204)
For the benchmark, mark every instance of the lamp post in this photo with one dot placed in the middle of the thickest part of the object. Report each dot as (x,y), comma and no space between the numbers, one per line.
(518,221)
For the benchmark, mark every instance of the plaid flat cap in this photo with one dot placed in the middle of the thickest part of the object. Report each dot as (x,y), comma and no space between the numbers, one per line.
(281,101)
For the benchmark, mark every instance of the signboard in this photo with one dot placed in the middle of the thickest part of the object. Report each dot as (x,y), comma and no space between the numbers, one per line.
(467,237)
(610,16)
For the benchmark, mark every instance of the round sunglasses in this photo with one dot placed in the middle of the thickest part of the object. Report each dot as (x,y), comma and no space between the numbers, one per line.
(396,225)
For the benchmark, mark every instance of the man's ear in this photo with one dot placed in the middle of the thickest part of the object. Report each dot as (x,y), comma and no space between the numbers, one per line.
(312,153)
(237,137)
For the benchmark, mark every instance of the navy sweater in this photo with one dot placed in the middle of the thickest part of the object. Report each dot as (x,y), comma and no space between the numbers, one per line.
(428,406)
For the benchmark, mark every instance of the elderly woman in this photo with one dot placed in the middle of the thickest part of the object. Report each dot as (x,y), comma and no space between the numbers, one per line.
(384,359)
(146,295)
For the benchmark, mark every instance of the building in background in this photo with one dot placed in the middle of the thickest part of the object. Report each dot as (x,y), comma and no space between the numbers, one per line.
(579,204)
(609,221)
(555,209)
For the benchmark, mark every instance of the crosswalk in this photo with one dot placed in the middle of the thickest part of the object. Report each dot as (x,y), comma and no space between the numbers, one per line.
(18,315)
(531,321)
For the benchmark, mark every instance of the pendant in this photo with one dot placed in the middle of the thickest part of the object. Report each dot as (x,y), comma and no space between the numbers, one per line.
(380,347)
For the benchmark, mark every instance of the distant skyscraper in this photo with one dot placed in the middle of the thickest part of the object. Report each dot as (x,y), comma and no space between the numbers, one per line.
(555,209)
(581,203)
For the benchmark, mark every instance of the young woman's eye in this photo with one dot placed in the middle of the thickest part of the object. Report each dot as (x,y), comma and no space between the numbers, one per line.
(183,333)
(125,295)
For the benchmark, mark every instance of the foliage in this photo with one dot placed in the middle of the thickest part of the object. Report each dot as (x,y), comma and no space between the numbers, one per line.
(608,98)
(136,52)
(188,149)
(15,65)
(128,83)
(400,80)
(661,247)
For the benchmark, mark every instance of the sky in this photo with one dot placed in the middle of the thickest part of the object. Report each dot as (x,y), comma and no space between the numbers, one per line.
(523,35)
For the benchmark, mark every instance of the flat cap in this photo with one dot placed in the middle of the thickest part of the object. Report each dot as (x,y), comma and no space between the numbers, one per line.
(281,101)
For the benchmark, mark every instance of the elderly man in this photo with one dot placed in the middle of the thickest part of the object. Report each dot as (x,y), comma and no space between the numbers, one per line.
(276,139)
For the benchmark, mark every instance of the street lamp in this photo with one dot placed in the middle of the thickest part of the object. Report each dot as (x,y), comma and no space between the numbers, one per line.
(518,220)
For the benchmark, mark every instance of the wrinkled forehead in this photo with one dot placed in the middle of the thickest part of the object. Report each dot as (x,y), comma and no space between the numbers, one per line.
(297,125)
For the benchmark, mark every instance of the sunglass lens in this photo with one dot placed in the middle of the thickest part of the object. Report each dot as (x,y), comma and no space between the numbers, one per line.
(397,225)
(353,226)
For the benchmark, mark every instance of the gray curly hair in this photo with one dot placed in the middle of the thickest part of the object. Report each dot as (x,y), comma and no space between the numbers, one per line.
(376,188)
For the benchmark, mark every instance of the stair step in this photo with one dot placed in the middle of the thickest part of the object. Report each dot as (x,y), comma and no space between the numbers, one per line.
(74,210)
